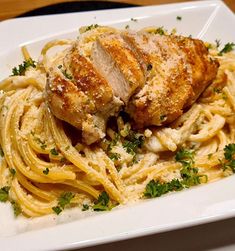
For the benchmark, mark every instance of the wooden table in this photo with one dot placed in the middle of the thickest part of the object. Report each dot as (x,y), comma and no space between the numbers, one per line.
(12,8)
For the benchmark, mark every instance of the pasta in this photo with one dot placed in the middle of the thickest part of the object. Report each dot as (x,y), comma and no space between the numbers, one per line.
(46,168)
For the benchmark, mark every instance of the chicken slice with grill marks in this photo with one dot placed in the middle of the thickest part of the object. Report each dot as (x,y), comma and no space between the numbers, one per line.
(178,69)
(79,95)
(114,59)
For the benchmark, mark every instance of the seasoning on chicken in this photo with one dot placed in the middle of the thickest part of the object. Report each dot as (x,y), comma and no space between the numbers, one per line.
(178,70)
(79,95)
(117,63)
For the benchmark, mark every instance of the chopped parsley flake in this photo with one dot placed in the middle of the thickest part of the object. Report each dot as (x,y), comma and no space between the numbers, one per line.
(66,74)
(217,90)
(46,171)
(85,207)
(41,142)
(67,148)
(179,18)
(209,155)
(91,27)
(160,31)
(114,156)
(4,192)
(127,26)
(1,152)
(12,171)
(16,208)
(23,67)
(53,151)
(227,48)
(134,19)
(102,203)
(57,210)
(217,43)
(162,117)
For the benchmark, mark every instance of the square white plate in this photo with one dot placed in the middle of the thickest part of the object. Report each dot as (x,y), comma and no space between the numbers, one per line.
(207,20)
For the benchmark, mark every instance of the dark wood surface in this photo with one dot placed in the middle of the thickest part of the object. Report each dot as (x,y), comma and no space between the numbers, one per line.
(13,8)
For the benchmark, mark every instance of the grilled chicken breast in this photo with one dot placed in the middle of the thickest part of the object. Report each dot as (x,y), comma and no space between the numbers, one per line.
(154,77)
(117,63)
(178,70)
(79,95)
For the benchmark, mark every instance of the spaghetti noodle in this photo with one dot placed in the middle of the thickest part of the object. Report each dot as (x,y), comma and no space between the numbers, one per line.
(46,168)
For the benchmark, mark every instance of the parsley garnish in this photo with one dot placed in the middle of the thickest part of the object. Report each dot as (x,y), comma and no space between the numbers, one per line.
(16,208)
(179,18)
(4,192)
(227,48)
(23,67)
(217,43)
(189,173)
(57,210)
(67,148)
(1,152)
(64,200)
(46,171)
(54,151)
(133,142)
(12,171)
(90,27)
(41,142)
(127,26)
(114,156)
(162,117)
(157,189)
(229,153)
(134,19)
(66,74)
(217,90)
(159,31)
(85,207)
(209,155)
(102,203)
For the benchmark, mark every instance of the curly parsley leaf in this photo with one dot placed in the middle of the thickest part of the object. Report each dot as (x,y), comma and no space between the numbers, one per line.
(227,48)
(85,207)
(229,155)
(102,203)
(157,189)
(53,151)
(22,68)
(114,156)
(4,193)
(133,142)
(64,200)
(57,210)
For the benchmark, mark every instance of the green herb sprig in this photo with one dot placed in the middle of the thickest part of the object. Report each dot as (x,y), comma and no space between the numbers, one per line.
(22,68)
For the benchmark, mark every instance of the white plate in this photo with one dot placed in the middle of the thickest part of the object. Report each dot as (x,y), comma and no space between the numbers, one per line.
(208,20)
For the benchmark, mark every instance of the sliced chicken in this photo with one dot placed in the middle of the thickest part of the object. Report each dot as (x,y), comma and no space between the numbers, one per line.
(79,95)
(178,70)
(153,76)
(117,63)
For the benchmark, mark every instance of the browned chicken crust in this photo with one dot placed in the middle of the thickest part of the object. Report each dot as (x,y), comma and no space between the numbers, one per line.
(81,96)
(154,77)
(178,70)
